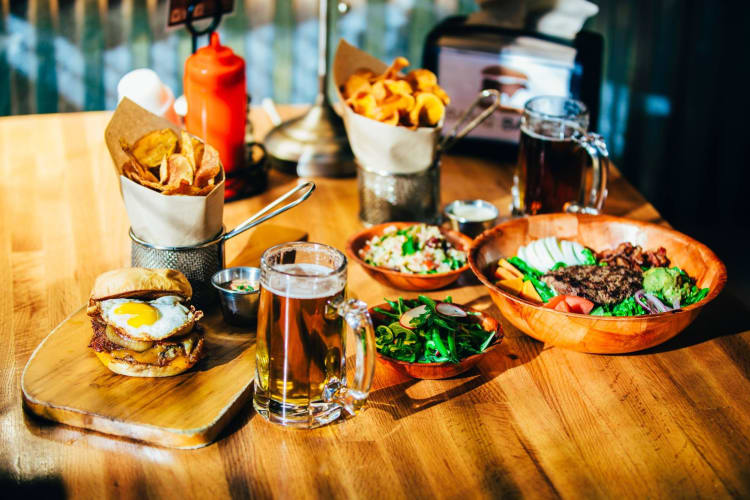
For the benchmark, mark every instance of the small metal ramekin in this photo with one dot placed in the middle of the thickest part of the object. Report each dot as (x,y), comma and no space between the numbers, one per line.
(238,307)
(471,227)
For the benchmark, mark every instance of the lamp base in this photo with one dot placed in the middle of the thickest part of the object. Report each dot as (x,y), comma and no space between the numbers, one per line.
(313,144)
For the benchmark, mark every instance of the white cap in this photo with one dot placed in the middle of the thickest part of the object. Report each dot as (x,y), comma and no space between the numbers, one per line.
(144,87)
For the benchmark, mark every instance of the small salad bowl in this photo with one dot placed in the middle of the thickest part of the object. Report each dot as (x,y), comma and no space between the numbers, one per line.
(436,371)
(407,281)
(581,332)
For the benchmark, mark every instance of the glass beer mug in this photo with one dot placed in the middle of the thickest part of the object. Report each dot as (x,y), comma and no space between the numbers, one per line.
(300,359)
(553,154)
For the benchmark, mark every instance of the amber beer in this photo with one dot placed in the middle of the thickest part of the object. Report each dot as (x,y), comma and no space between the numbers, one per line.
(554,152)
(550,170)
(300,340)
(300,357)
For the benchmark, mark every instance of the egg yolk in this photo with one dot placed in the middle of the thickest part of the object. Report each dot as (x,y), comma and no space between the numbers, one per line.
(141,314)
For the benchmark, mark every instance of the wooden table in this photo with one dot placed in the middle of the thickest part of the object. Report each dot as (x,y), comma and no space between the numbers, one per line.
(532,421)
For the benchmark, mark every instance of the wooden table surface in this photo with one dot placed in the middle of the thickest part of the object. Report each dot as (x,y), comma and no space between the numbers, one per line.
(533,420)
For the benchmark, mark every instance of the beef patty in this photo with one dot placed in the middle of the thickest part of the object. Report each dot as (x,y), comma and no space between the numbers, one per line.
(599,284)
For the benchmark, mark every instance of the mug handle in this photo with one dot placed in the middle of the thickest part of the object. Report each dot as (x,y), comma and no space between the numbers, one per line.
(596,148)
(352,397)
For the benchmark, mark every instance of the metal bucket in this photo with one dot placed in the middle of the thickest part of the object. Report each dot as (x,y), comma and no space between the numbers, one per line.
(199,262)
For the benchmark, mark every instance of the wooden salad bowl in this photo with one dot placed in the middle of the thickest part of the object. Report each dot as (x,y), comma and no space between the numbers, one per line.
(595,334)
(436,371)
(406,281)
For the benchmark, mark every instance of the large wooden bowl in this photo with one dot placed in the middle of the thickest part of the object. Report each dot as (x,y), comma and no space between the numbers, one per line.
(406,281)
(585,333)
(436,371)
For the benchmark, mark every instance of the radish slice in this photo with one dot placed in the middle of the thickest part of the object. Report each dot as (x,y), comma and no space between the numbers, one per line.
(450,310)
(578,249)
(568,252)
(406,318)
(553,247)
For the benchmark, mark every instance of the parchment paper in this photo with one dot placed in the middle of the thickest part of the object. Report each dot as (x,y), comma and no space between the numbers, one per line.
(380,147)
(174,220)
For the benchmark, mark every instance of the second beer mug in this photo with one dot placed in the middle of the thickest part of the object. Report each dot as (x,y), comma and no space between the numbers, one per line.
(300,360)
(553,153)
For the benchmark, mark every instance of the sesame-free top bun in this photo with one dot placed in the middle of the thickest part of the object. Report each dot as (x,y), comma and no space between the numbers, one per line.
(140,282)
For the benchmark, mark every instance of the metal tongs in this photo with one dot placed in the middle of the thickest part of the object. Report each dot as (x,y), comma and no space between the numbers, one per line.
(260,217)
(455,135)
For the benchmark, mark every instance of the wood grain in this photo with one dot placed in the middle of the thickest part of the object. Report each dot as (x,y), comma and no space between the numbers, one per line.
(63,381)
(530,420)
(603,335)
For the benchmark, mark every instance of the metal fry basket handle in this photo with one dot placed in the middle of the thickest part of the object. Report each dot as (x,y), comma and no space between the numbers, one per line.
(261,216)
(455,134)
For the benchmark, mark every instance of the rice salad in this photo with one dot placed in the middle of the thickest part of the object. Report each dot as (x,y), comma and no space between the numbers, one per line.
(418,249)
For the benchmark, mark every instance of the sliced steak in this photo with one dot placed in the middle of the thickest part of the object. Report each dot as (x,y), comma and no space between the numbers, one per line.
(599,284)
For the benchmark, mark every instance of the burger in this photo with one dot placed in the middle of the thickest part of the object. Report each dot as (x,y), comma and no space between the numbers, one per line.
(143,325)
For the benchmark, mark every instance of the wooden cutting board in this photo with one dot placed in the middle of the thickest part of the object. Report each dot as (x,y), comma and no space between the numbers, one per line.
(64,381)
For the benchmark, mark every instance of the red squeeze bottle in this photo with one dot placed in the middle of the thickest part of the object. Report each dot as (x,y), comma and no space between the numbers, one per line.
(214,86)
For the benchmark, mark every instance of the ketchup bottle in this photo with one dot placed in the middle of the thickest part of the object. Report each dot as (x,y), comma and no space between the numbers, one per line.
(214,86)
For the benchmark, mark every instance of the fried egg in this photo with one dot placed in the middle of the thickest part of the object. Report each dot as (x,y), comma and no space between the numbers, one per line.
(147,320)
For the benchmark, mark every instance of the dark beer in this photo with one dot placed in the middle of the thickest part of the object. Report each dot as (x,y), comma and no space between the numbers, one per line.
(300,340)
(550,169)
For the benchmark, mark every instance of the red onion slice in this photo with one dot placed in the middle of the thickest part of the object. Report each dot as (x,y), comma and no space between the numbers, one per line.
(658,304)
(642,301)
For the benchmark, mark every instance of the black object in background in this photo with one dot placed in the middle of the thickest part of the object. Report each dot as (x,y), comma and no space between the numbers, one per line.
(470,57)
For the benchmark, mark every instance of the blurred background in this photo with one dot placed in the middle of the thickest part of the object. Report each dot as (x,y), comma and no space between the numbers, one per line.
(670,99)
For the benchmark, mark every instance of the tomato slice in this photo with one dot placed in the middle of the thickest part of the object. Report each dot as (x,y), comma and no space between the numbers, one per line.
(579,304)
(562,306)
(570,303)
(551,303)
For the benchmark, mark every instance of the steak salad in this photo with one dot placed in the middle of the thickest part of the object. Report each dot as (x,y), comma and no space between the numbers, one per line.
(624,281)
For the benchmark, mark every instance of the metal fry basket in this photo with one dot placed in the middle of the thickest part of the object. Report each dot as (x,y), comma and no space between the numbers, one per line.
(199,262)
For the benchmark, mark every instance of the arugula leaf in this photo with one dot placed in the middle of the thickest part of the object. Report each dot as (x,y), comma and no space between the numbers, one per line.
(434,338)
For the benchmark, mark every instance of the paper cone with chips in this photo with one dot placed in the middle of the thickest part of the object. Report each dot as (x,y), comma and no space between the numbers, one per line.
(393,121)
(171,182)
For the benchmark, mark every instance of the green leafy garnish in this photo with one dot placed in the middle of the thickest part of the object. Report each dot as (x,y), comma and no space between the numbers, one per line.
(409,247)
(588,257)
(435,337)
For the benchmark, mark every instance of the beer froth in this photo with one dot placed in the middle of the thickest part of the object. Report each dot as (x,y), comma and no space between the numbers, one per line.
(293,281)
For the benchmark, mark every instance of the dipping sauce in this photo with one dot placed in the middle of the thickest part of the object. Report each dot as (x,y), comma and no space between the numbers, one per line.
(473,213)
(239,285)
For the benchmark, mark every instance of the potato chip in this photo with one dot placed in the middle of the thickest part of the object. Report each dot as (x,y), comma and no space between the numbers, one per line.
(152,147)
(397,65)
(183,187)
(179,170)
(428,110)
(356,83)
(189,169)
(139,170)
(422,79)
(163,171)
(399,104)
(378,91)
(393,98)
(364,104)
(186,148)
(398,87)
(209,167)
